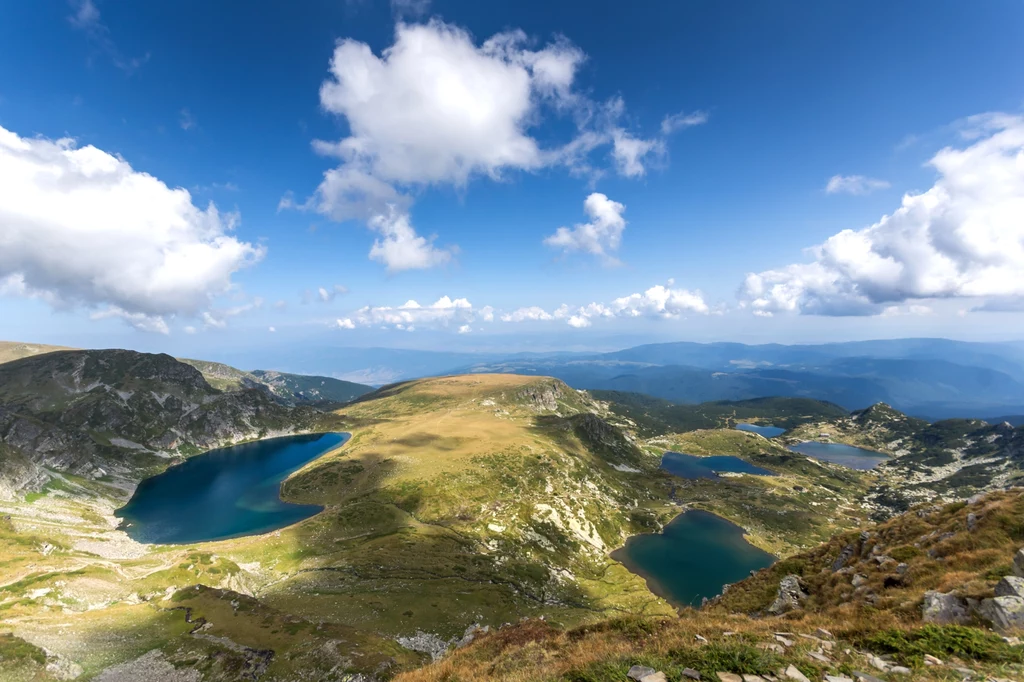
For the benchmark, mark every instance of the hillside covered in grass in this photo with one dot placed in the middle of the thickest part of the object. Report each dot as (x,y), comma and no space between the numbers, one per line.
(858,612)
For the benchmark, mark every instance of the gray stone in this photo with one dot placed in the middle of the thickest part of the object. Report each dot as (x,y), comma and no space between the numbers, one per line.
(932,660)
(972,522)
(1018,563)
(858,580)
(944,609)
(690,674)
(844,556)
(864,677)
(824,634)
(639,672)
(654,677)
(729,677)
(793,673)
(752,678)
(899,670)
(1005,613)
(1010,586)
(790,596)
(837,678)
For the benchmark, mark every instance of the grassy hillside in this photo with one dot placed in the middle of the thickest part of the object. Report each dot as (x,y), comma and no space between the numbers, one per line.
(16,350)
(856,618)
(655,416)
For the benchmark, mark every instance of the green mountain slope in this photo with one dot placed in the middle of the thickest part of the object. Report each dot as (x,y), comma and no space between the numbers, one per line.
(656,416)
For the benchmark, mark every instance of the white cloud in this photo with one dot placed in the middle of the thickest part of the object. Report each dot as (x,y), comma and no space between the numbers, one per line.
(487,314)
(400,248)
(327,295)
(271,329)
(81,227)
(86,18)
(660,302)
(141,321)
(190,329)
(631,153)
(410,8)
(854,184)
(682,120)
(962,238)
(527,314)
(465,329)
(186,120)
(598,237)
(442,313)
(436,108)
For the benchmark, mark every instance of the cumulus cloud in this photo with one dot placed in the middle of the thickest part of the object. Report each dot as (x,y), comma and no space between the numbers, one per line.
(659,302)
(465,329)
(400,248)
(962,238)
(602,234)
(81,227)
(854,184)
(86,18)
(436,108)
(442,313)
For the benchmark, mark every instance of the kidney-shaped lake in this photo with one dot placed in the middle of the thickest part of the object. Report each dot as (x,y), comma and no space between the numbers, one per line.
(692,557)
(224,493)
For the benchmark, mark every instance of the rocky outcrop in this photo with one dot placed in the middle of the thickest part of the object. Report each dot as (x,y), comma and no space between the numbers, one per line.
(113,413)
(944,609)
(1005,613)
(790,596)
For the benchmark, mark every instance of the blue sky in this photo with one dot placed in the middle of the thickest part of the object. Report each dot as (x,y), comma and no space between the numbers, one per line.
(470,144)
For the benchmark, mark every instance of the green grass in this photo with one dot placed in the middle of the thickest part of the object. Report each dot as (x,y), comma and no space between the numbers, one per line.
(943,641)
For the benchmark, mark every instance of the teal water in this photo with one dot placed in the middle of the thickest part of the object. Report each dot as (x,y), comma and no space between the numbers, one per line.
(766,431)
(689,466)
(692,557)
(224,493)
(846,455)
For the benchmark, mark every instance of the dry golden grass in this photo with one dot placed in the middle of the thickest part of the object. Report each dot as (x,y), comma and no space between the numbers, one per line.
(15,350)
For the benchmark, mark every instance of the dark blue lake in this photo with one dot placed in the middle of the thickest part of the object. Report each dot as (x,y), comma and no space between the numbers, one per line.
(692,558)
(224,493)
(766,431)
(846,455)
(689,466)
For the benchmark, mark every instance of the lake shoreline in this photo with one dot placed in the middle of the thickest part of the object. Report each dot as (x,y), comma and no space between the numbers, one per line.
(247,485)
(653,584)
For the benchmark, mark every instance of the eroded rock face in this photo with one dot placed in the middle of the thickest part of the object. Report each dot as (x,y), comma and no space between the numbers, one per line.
(1010,586)
(1005,613)
(1018,563)
(791,595)
(944,609)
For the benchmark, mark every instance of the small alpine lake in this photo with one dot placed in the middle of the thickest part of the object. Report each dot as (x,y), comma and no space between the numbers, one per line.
(689,466)
(766,431)
(224,493)
(692,557)
(838,453)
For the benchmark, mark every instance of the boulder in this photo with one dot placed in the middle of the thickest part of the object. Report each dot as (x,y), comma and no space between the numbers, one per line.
(944,609)
(972,522)
(690,674)
(844,556)
(1018,563)
(639,672)
(790,596)
(1010,586)
(654,677)
(1005,613)
(793,673)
